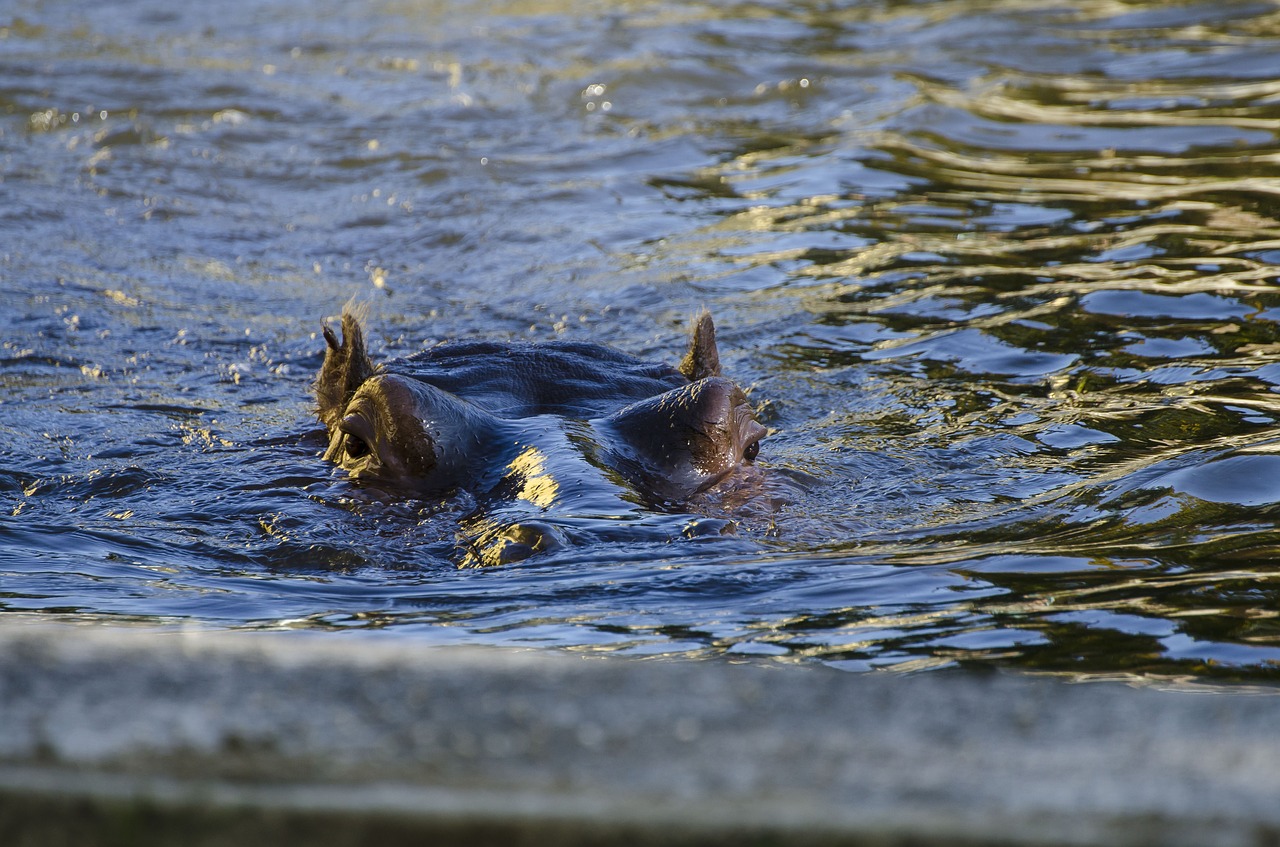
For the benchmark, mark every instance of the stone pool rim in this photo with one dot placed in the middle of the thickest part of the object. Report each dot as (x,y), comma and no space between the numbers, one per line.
(137,735)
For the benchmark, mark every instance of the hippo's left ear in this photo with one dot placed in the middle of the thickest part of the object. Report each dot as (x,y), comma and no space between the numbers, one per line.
(703,359)
(346,366)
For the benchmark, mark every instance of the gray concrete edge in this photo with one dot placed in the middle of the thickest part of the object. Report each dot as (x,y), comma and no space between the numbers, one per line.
(129,736)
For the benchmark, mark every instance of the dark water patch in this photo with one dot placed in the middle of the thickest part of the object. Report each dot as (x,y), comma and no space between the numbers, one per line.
(1141,304)
(168,410)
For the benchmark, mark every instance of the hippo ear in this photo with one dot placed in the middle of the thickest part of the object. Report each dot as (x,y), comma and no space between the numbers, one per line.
(346,366)
(703,359)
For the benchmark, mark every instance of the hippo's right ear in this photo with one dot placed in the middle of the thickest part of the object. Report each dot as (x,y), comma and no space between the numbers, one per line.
(346,366)
(703,358)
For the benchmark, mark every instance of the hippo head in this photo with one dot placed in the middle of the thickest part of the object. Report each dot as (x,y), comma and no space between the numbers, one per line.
(459,416)
(392,429)
(686,440)
(408,433)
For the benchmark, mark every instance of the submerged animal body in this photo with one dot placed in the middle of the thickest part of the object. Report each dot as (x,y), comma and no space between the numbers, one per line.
(564,427)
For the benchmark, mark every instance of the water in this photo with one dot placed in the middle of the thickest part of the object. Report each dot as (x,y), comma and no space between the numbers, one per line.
(1000,275)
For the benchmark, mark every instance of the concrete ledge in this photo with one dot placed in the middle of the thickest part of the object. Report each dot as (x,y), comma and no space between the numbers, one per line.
(115,736)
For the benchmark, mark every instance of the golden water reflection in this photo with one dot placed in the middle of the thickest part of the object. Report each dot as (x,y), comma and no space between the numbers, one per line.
(533,482)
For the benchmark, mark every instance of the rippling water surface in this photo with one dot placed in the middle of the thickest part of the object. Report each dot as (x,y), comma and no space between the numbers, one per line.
(1001,276)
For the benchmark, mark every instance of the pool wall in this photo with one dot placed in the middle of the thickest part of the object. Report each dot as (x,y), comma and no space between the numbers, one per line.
(120,736)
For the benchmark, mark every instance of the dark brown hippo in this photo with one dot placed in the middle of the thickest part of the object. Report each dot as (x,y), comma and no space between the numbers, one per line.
(568,427)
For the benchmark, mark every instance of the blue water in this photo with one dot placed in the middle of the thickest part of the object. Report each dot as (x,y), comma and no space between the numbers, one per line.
(1001,278)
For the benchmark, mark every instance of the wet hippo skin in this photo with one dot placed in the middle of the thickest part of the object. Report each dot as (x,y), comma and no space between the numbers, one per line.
(555,426)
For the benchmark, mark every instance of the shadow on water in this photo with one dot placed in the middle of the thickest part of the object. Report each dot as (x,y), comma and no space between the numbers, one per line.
(1001,278)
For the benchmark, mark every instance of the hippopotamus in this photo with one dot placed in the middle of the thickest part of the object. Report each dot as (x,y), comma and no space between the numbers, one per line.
(565,427)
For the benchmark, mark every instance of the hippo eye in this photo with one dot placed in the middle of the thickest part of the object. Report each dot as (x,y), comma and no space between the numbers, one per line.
(356,447)
(753,450)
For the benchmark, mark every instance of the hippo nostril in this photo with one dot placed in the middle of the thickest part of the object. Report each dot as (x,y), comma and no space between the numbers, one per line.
(538,535)
(519,541)
(512,551)
(753,450)
(708,528)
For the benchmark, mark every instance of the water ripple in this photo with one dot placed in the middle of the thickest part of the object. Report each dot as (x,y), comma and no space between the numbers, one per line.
(1001,276)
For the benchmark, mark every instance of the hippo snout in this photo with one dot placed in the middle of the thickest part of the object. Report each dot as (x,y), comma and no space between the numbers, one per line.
(512,543)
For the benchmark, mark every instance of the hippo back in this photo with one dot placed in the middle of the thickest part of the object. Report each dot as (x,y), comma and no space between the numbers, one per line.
(574,379)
